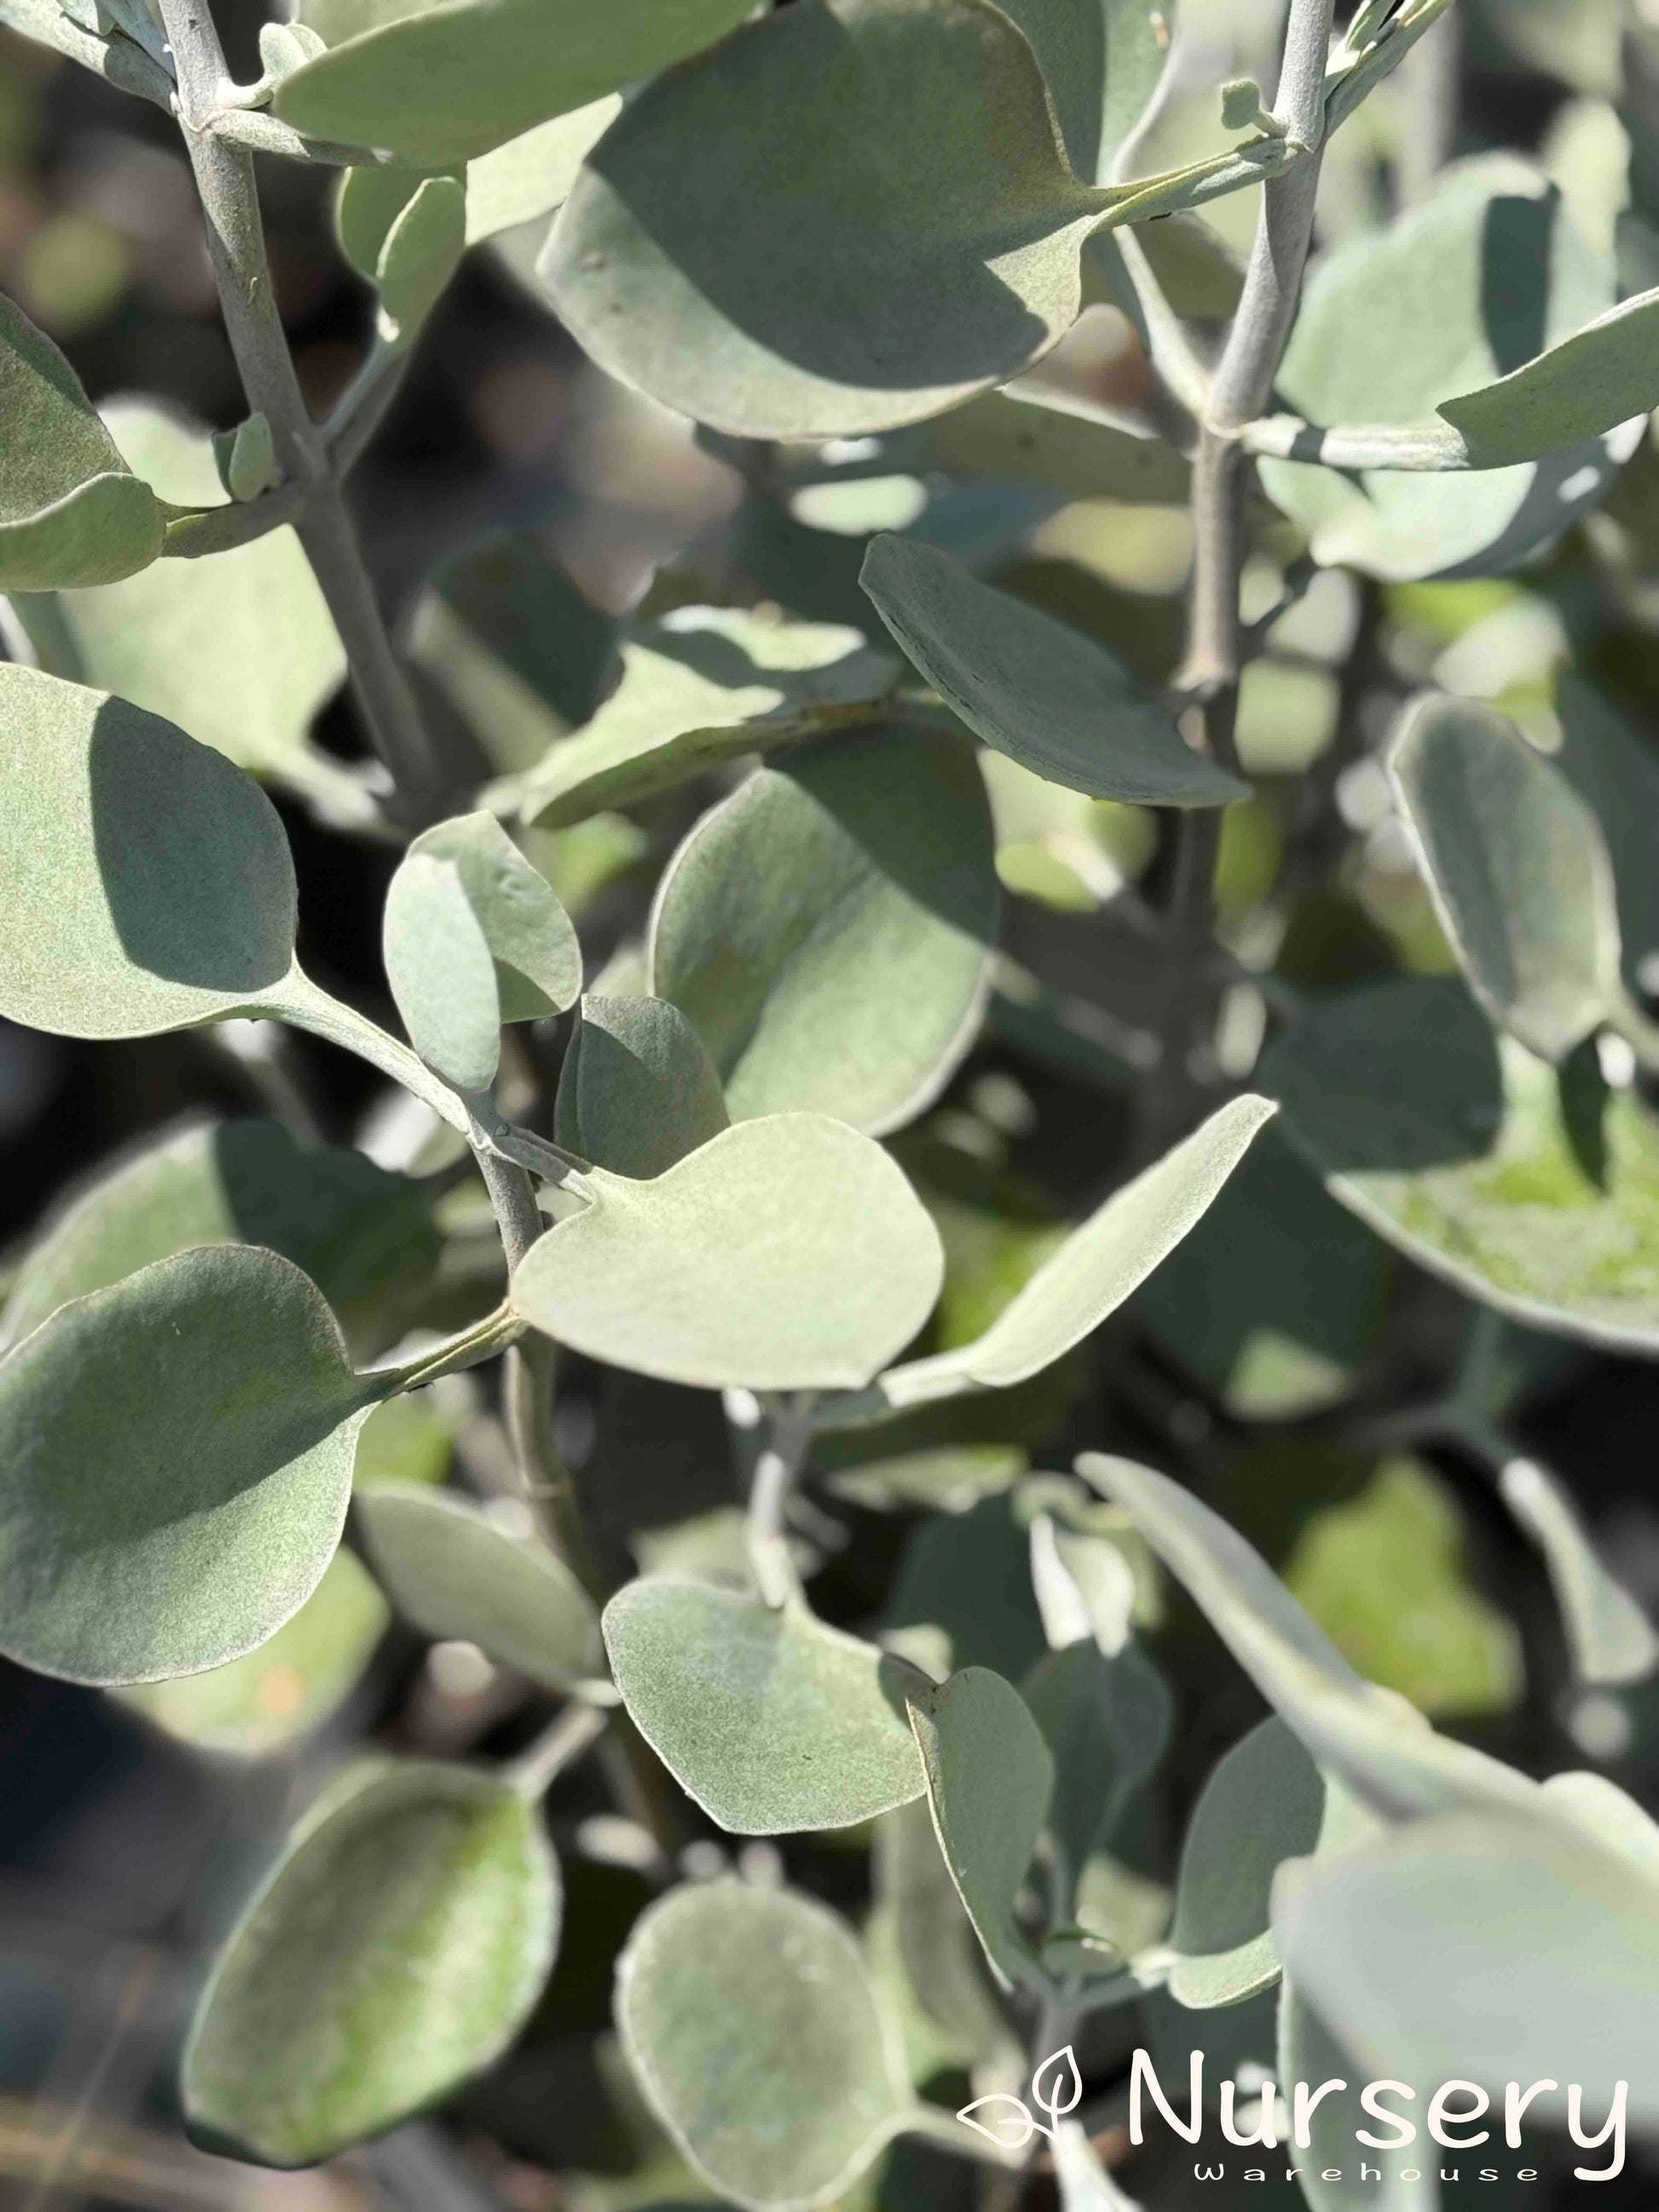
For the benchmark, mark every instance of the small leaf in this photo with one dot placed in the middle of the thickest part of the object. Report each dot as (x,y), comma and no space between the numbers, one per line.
(827,927)
(1610,1638)
(772,1721)
(749,2018)
(175,1461)
(369,202)
(445,83)
(789,1254)
(394,1951)
(421,252)
(1040,434)
(1085,1588)
(246,457)
(1058,702)
(1106,1721)
(72,510)
(149,879)
(637,1092)
(989,1782)
(530,175)
(454,1574)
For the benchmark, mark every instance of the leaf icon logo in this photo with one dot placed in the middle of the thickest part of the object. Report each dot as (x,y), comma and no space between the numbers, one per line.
(1057,2088)
(1011,2130)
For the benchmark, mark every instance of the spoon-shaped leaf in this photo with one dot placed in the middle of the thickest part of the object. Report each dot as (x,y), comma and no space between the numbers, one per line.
(454,80)
(827,927)
(770,1720)
(72,510)
(453,1573)
(394,1951)
(789,1254)
(175,1460)
(1059,704)
(1517,868)
(749,2018)
(637,1090)
(149,880)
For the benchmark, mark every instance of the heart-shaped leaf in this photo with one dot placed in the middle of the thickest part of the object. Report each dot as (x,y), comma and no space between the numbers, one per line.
(1453,1145)
(637,1092)
(1395,323)
(789,1254)
(749,2021)
(1054,699)
(827,927)
(703,686)
(1106,1723)
(175,1461)
(989,1782)
(72,510)
(453,1573)
(772,1721)
(394,1951)
(442,82)
(350,1225)
(150,881)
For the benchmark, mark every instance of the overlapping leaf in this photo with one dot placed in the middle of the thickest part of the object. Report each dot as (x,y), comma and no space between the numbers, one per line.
(1610,1639)
(1106,1721)
(637,1092)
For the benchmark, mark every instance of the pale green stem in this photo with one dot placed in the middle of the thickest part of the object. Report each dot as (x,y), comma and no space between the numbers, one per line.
(788,1436)
(535,1770)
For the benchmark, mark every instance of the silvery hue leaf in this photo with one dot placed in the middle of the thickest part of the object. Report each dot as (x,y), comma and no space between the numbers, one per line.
(1518,871)
(453,1574)
(175,1461)
(1610,1638)
(530,175)
(772,1721)
(637,1091)
(787,1254)
(1041,433)
(990,1779)
(1329,2177)
(1084,1588)
(1106,1721)
(1579,389)
(750,2021)
(1452,1145)
(421,252)
(1056,701)
(1103,61)
(443,82)
(149,880)
(827,927)
(941,1955)
(72,510)
(394,1951)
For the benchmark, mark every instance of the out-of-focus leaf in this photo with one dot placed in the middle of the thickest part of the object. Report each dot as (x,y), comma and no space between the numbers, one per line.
(530,175)
(827,927)
(941,1954)
(1580,389)
(1058,701)
(750,2021)
(443,82)
(394,1950)
(421,252)
(175,1461)
(71,511)
(1609,764)
(1307,2051)
(272,1698)
(637,1092)
(148,879)
(703,686)
(1037,433)
(787,1254)
(990,1779)
(1106,1723)
(407,1439)
(772,1721)
(453,1573)
(962,1596)
(1610,1638)
(1084,1588)
(1451,1145)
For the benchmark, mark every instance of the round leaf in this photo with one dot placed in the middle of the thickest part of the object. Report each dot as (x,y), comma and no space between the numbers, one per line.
(539,963)
(789,1254)
(749,2018)
(149,882)
(770,1720)
(394,1951)
(637,1091)
(421,251)
(175,1460)
(451,1573)
(441,971)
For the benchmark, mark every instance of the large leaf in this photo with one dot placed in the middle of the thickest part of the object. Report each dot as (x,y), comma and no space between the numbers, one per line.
(990,1779)
(827,928)
(175,1461)
(1453,1145)
(749,2018)
(350,1225)
(703,686)
(1461,290)
(1104,60)
(1588,385)
(444,82)
(1330,2179)
(961,1597)
(394,1951)
(1518,871)
(637,1091)
(789,1254)
(149,880)
(72,510)
(239,648)
(917,241)
(1054,699)
(453,1573)
(772,1721)
(530,175)
(1106,1721)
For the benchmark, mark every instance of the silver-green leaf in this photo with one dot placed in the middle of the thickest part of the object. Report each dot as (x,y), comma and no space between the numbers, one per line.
(637,1092)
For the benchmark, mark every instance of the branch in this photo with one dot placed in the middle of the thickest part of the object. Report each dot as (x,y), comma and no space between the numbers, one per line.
(777,1470)
(1413,448)
(193,532)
